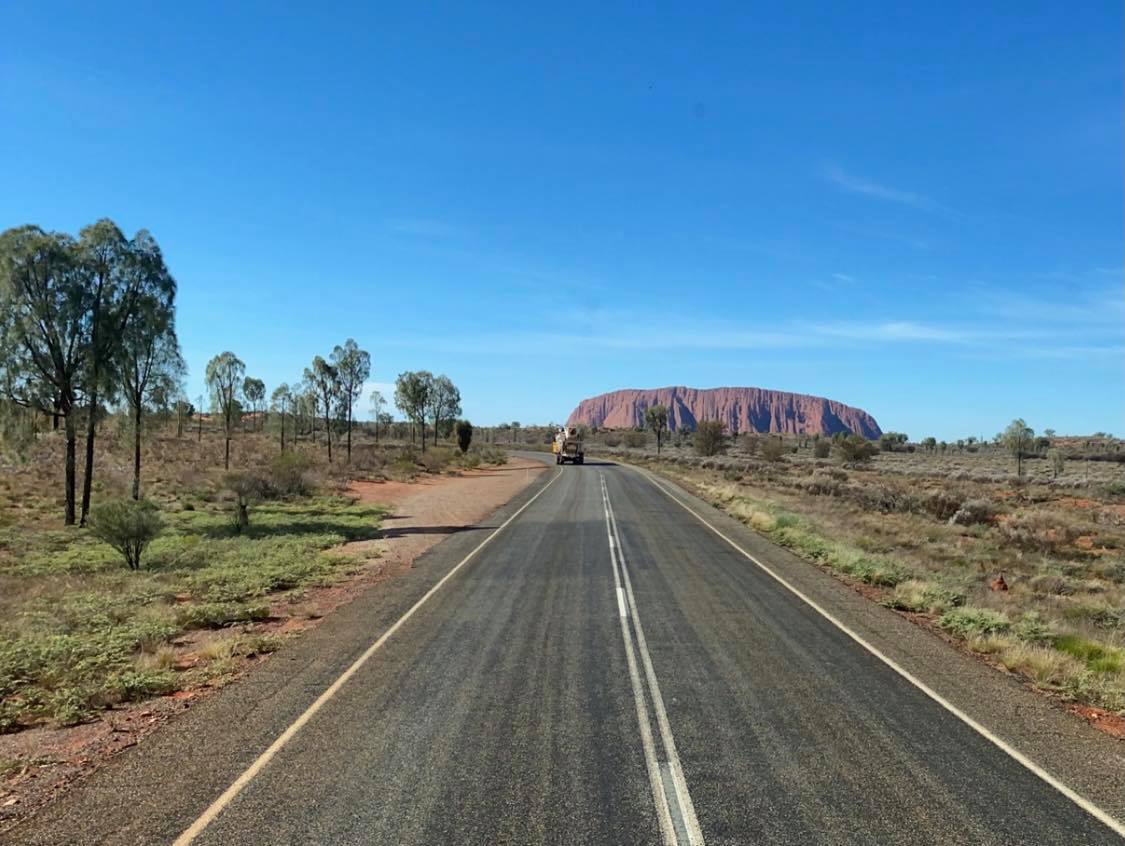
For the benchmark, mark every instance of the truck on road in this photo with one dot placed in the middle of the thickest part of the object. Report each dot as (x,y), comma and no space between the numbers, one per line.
(567,446)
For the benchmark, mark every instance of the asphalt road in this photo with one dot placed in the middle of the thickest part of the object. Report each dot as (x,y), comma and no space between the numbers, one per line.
(605,670)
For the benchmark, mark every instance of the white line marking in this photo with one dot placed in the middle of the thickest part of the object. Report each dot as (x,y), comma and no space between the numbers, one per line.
(682,796)
(621,602)
(656,782)
(216,807)
(1079,800)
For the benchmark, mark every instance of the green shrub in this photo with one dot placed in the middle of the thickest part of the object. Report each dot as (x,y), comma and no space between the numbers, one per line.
(128,526)
(772,448)
(289,475)
(854,449)
(636,440)
(464,430)
(216,615)
(969,621)
(822,448)
(917,595)
(1031,628)
(708,437)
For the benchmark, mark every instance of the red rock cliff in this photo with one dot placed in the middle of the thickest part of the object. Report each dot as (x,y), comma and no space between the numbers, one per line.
(741,409)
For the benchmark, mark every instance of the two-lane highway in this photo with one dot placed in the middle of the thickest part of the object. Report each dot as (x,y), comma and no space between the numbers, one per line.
(606,669)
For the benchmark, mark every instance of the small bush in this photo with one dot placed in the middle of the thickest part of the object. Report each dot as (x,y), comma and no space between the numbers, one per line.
(636,440)
(973,512)
(216,615)
(855,449)
(289,475)
(822,449)
(1031,628)
(918,595)
(247,488)
(772,448)
(969,621)
(941,504)
(612,440)
(128,526)
(1041,531)
(708,438)
(464,430)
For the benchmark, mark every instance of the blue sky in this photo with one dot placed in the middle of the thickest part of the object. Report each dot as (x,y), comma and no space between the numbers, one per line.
(912,208)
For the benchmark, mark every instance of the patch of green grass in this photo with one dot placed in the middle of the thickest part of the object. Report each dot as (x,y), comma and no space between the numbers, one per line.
(1098,657)
(75,622)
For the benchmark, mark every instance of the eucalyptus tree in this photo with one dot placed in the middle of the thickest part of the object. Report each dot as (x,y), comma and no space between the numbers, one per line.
(412,398)
(254,391)
(43,331)
(184,410)
(353,366)
(1016,439)
(378,403)
(444,403)
(224,376)
(115,272)
(656,418)
(324,379)
(148,360)
(280,400)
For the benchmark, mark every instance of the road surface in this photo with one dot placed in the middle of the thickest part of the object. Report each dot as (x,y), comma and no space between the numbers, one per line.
(604,669)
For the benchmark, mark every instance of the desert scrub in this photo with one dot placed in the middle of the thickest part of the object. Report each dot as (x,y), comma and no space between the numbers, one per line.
(79,632)
(918,595)
(968,622)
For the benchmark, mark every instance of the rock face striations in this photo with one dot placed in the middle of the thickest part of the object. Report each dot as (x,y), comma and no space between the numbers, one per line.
(741,409)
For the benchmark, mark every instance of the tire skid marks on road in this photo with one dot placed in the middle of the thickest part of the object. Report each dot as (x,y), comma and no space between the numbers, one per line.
(674,809)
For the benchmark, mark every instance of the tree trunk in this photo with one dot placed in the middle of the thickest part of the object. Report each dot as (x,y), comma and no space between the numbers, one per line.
(137,452)
(349,433)
(71,449)
(328,434)
(423,427)
(88,478)
(226,451)
(283,431)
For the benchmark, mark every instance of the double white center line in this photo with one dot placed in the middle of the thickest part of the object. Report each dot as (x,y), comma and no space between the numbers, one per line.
(674,810)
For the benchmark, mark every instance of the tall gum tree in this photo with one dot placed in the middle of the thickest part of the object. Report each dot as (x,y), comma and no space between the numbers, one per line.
(224,375)
(112,267)
(324,381)
(412,398)
(149,357)
(353,366)
(43,331)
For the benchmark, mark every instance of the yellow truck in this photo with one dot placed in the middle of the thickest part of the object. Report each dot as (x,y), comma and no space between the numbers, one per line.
(567,446)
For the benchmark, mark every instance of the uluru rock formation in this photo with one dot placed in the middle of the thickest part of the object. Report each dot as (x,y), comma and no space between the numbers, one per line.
(741,409)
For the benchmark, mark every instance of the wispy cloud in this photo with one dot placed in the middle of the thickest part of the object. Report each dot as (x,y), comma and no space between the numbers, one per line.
(858,185)
(671,333)
(843,277)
